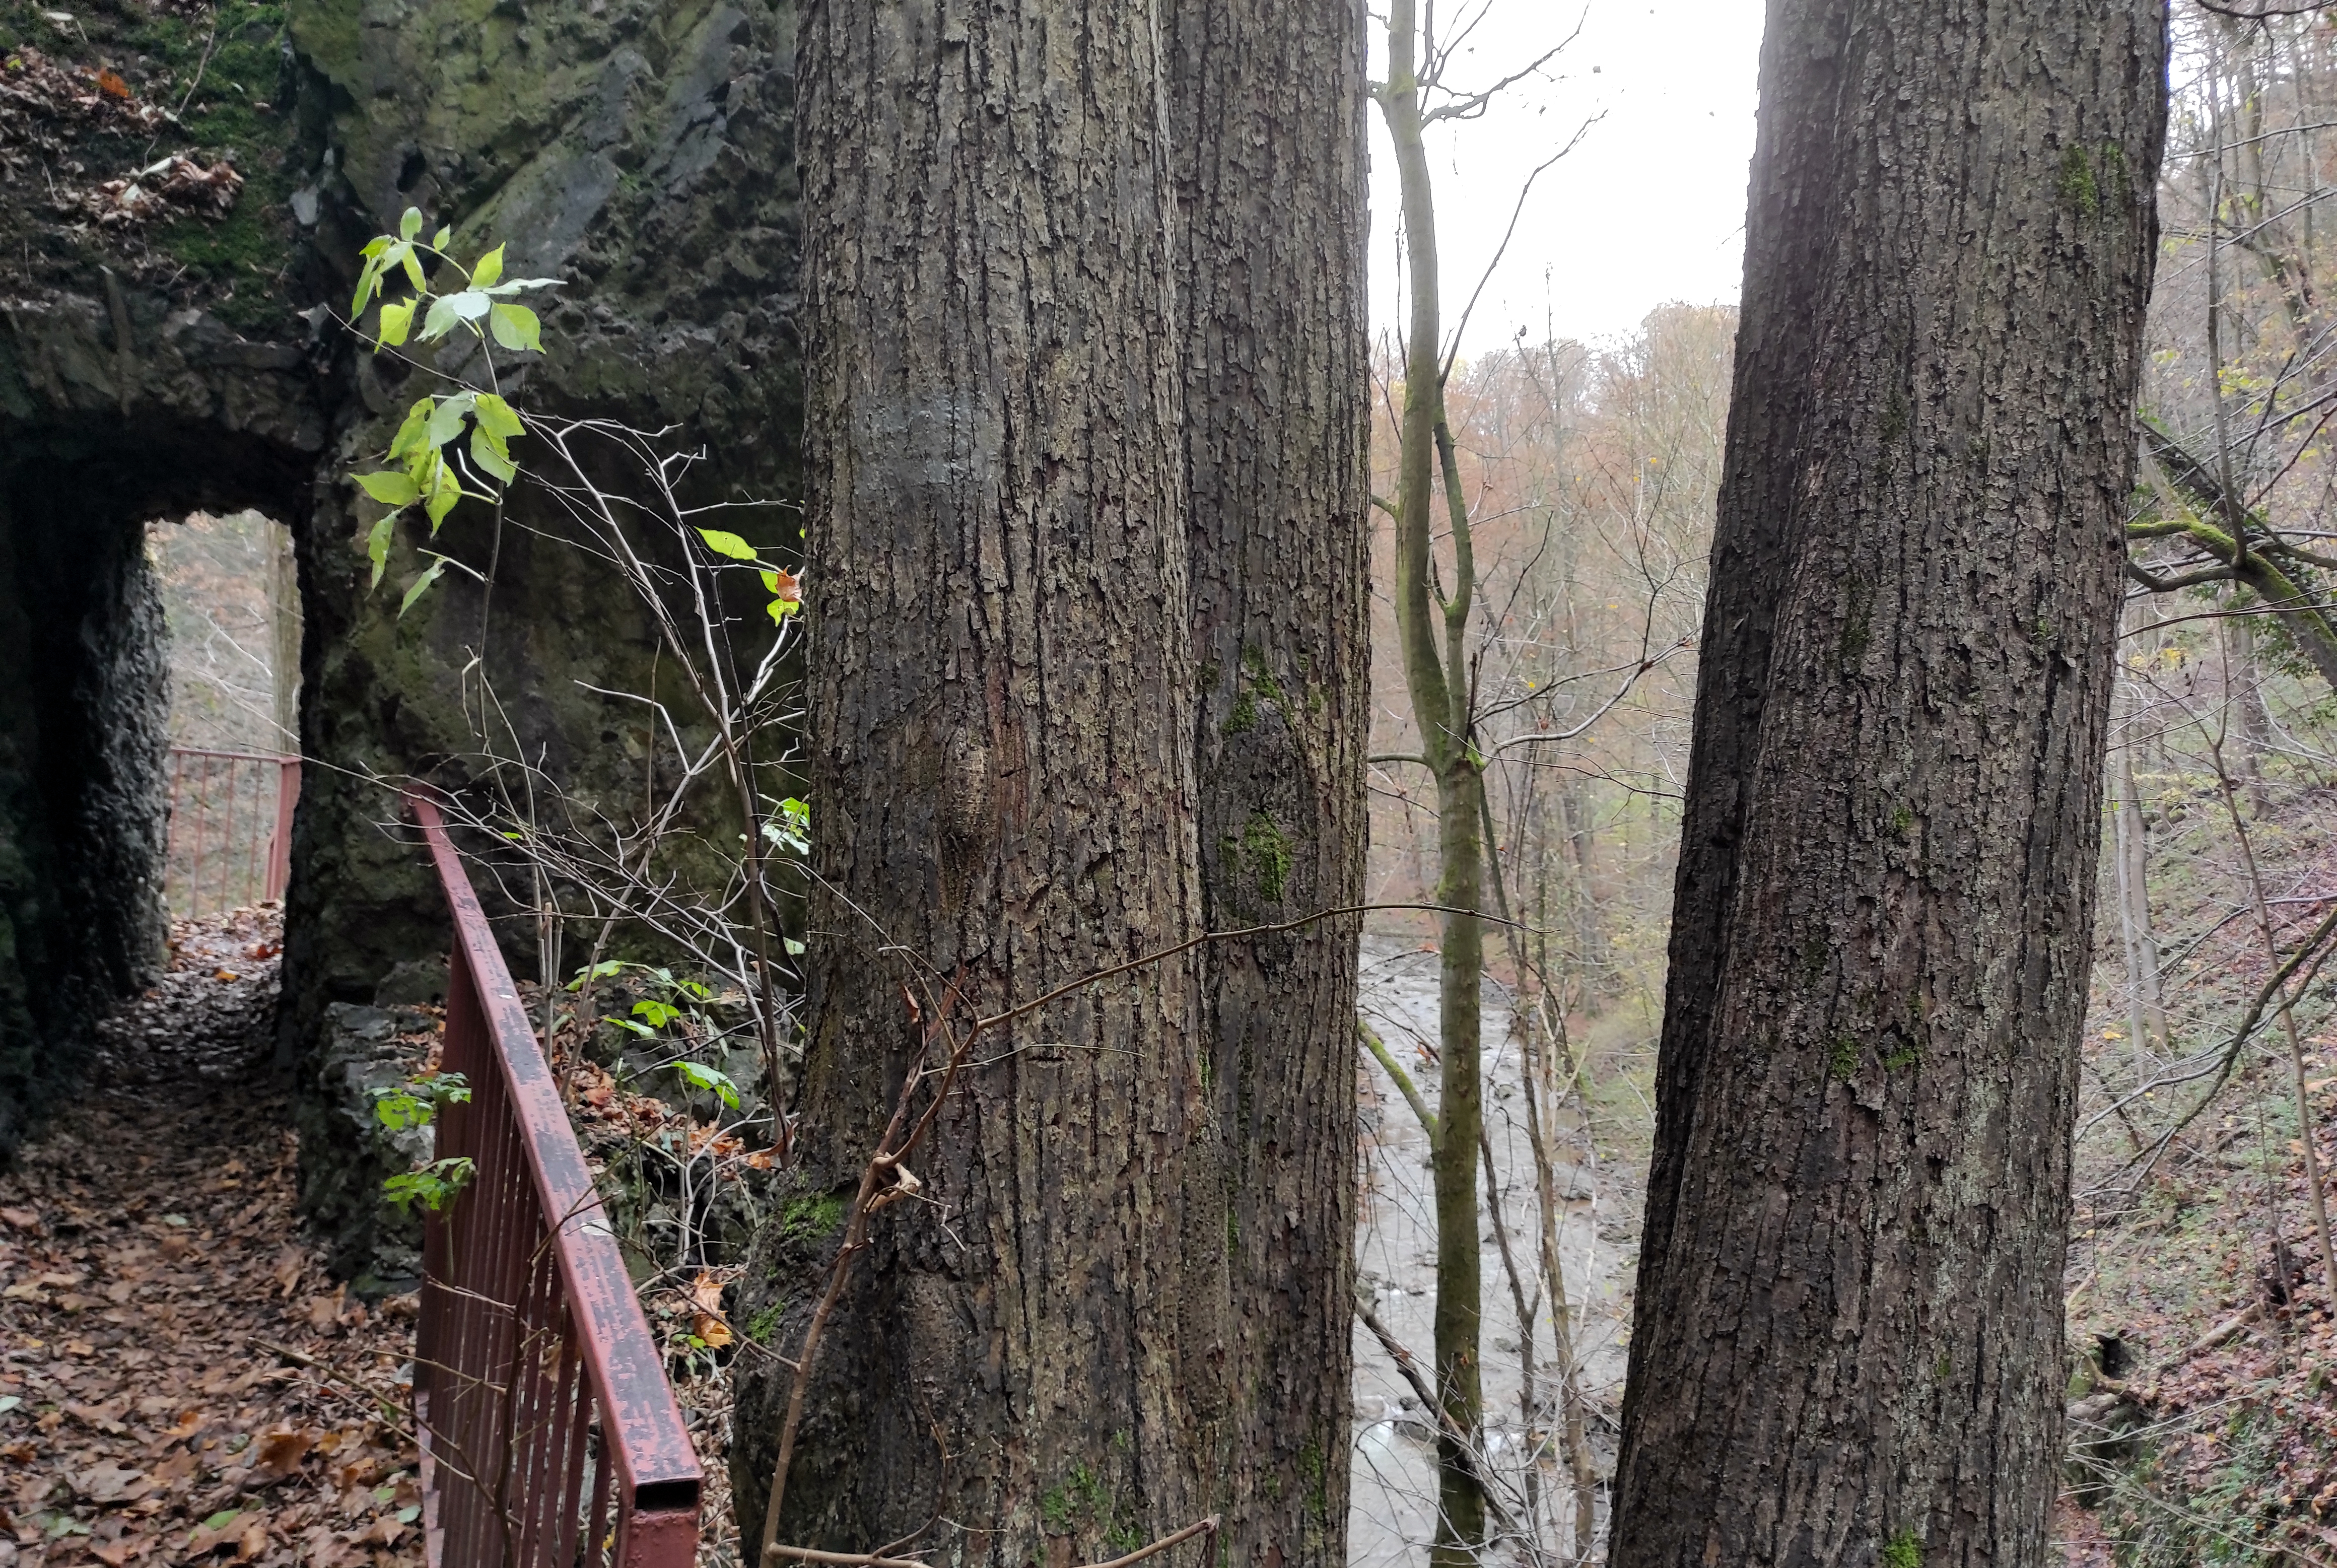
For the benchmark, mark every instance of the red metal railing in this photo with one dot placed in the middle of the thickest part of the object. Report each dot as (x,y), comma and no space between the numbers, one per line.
(549,1435)
(231,817)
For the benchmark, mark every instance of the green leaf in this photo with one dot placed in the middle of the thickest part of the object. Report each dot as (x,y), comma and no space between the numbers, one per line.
(221,1517)
(700,1077)
(373,248)
(445,491)
(601,971)
(781,609)
(421,586)
(496,416)
(410,224)
(657,1013)
(487,451)
(446,420)
(643,1030)
(729,544)
(397,320)
(377,548)
(444,237)
(470,304)
(516,328)
(391,489)
(367,278)
(431,1186)
(413,436)
(488,269)
(442,319)
(795,948)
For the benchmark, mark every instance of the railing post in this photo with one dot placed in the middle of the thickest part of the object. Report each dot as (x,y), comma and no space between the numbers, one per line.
(279,849)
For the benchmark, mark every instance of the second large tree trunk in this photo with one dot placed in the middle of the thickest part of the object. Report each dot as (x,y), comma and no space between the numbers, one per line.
(1027,1364)
(1850,1341)
(1268,123)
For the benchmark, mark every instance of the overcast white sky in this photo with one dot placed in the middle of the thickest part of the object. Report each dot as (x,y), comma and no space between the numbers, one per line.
(1648,207)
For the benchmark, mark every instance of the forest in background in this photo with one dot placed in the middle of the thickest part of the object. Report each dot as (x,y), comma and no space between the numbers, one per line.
(1591,474)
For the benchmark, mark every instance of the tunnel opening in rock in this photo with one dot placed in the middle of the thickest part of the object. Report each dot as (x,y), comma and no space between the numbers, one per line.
(85,739)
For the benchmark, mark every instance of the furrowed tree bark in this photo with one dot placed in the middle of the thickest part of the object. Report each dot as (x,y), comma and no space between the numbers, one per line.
(1268,124)
(1849,1342)
(1002,715)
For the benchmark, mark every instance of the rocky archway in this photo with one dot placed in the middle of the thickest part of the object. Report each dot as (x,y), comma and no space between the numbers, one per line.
(191,186)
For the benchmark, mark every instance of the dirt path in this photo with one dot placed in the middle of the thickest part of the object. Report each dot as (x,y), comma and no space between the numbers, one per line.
(179,1383)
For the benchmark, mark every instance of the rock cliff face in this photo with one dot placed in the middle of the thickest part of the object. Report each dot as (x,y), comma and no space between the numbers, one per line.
(184,190)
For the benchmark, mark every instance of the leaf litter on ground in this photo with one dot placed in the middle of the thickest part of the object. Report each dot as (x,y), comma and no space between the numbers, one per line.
(179,1381)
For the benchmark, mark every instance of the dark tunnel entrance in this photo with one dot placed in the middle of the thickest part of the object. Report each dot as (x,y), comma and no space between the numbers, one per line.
(86,740)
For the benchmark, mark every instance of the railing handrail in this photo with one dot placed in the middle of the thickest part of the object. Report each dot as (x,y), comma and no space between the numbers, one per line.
(238,756)
(655,1462)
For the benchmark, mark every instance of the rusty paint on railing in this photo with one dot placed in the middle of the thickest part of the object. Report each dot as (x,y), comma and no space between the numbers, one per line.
(550,1434)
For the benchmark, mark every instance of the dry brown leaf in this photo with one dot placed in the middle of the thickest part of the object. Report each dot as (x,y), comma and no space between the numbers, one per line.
(280,1451)
(109,1483)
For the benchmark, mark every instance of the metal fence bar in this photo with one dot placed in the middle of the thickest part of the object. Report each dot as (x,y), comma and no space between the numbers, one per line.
(226,847)
(534,1364)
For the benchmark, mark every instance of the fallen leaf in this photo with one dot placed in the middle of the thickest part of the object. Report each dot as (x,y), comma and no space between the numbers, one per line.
(110,83)
(22,1219)
(220,1527)
(325,1311)
(97,1415)
(282,1450)
(109,1483)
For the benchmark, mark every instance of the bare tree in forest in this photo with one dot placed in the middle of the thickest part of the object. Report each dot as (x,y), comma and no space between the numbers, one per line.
(1850,1343)
(1432,630)
(1111,1296)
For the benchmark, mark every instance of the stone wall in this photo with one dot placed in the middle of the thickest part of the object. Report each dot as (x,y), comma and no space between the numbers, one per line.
(162,357)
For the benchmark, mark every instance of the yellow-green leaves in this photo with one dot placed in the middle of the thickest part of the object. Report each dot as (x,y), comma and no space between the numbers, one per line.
(447,446)
(729,544)
(397,321)
(421,586)
(479,304)
(391,489)
(515,328)
(429,478)
(785,590)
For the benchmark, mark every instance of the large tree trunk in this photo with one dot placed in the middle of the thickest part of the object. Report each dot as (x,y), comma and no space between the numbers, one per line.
(1268,121)
(1001,714)
(1849,1347)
